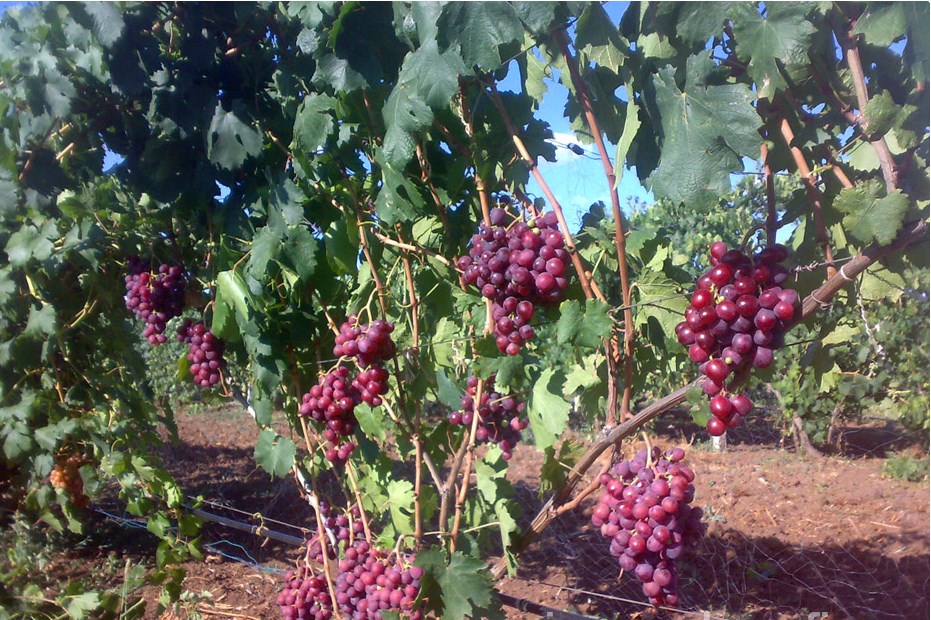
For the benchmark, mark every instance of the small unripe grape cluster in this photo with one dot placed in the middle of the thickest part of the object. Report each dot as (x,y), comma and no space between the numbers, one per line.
(500,421)
(205,353)
(370,343)
(155,297)
(517,267)
(368,582)
(645,512)
(66,475)
(737,317)
(332,403)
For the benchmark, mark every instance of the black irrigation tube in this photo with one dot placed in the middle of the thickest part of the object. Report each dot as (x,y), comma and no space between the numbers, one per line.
(522,604)
(257,530)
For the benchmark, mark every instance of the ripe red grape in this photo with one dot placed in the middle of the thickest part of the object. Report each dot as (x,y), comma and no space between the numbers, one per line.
(205,353)
(649,527)
(499,422)
(519,268)
(155,297)
(737,316)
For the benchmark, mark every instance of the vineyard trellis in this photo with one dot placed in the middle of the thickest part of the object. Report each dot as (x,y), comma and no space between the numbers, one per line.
(361,144)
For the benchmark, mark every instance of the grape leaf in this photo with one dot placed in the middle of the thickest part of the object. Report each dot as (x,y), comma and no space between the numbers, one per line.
(882,25)
(881,113)
(598,38)
(428,79)
(547,411)
(706,128)
(556,466)
(585,327)
(870,215)
(400,504)
(696,22)
(460,588)
(299,252)
(232,137)
(628,134)
(782,37)
(41,322)
(274,454)
(314,123)
(342,245)
(480,29)
(27,243)
(582,376)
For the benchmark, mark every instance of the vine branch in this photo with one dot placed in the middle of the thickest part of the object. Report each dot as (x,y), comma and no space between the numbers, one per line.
(619,236)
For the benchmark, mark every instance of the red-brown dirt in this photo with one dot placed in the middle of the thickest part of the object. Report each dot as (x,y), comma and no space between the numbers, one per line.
(788,536)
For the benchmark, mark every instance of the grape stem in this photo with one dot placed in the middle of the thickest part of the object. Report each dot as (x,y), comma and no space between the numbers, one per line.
(852,54)
(469,456)
(769,180)
(619,235)
(812,191)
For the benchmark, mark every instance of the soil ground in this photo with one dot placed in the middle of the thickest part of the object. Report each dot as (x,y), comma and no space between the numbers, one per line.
(788,536)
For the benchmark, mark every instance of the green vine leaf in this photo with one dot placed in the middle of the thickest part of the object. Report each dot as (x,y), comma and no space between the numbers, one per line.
(547,411)
(481,30)
(707,126)
(459,588)
(870,214)
(232,138)
(275,454)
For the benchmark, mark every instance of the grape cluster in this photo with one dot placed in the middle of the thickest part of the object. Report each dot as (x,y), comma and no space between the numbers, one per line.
(205,353)
(368,583)
(344,527)
(155,297)
(332,403)
(499,421)
(370,343)
(645,512)
(66,476)
(738,316)
(517,267)
(372,384)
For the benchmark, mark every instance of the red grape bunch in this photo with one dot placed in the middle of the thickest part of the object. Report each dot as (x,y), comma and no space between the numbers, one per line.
(738,316)
(344,527)
(518,267)
(332,403)
(205,353)
(645,512)
(499,421)
(370,343)
(155,297)
(369,581)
